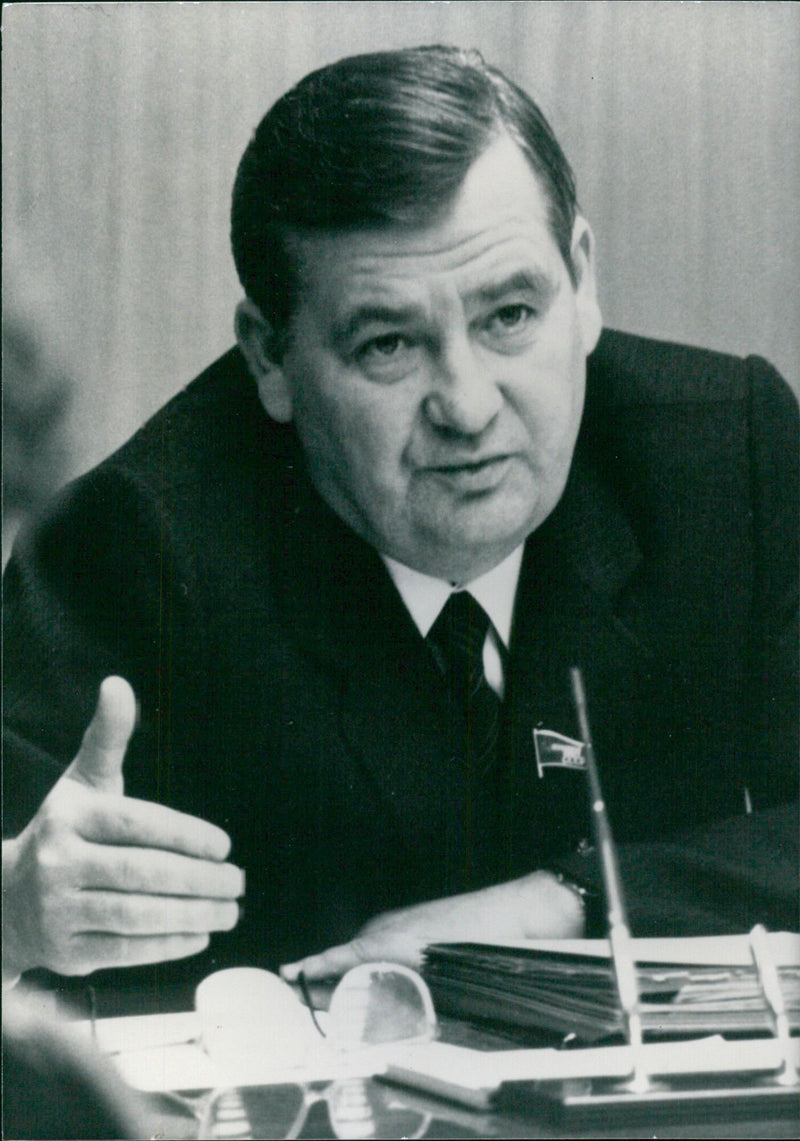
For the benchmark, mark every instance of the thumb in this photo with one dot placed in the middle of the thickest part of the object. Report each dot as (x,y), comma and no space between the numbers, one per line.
(326,965)
(98,763)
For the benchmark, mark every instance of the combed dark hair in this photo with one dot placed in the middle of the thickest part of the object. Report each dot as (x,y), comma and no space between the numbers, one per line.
(386,137)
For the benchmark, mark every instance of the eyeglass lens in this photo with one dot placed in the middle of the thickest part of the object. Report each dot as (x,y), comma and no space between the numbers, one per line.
(378,1003)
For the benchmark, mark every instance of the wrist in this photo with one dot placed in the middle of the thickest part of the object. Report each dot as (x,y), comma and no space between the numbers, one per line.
(550,907)
(580,895)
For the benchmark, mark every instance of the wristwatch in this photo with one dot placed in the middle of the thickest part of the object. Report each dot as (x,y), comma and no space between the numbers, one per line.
(591,904)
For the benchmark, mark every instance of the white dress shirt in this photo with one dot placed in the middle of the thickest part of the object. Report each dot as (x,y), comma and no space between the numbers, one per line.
(495,591)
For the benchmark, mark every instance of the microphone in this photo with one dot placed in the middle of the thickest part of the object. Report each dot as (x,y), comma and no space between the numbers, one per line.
(619,935)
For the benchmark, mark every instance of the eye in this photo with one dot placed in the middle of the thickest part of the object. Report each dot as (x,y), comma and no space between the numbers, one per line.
(387,345)
(510,328)
(387,357)
(510,317)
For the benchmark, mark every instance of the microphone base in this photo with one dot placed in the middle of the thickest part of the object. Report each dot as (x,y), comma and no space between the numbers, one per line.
(602,1103)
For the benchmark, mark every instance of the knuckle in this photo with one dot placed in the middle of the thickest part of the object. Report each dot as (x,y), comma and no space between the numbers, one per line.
(128,872)
(109,914)
(48,859)
(125,820)
(52,861)
(121,915)
(52,824)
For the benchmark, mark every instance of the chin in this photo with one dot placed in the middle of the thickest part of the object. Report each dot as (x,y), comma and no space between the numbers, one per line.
(491,530)
(463,555)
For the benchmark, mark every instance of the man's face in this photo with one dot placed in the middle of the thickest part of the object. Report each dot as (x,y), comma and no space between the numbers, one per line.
(436,376)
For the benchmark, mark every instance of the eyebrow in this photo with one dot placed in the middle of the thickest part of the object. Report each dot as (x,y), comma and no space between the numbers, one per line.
(541,285)
(375,314)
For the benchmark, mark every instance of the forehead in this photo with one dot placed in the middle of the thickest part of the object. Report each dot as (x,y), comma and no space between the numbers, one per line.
(497,223)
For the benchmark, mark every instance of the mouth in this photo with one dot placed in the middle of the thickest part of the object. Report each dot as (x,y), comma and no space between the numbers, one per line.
(469,464)
(473,475)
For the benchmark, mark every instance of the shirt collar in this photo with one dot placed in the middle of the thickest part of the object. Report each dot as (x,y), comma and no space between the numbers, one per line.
(425,596)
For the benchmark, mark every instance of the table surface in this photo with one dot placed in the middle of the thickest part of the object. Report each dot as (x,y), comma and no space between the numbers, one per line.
(365,1107)
(374,1108)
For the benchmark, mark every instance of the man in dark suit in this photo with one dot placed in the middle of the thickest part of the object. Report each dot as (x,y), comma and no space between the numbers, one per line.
(346,572)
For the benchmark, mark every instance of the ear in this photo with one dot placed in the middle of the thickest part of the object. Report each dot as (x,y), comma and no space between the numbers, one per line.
(583,260)
(258,343)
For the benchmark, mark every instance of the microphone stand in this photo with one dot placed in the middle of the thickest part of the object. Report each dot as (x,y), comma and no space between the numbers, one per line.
(619,935)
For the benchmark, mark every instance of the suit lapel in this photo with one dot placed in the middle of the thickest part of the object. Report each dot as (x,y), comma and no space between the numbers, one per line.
(576,568)
(340,605)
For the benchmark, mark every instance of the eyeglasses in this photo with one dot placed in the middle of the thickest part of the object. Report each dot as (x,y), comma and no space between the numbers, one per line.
(353,1108)
(373,1005)
(245,1011)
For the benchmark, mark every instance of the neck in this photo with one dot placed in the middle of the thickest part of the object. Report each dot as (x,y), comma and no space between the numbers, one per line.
(455,570)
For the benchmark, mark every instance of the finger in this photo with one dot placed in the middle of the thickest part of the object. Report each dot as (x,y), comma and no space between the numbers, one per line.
(156,872)
(327,964)
(92,952)
(125,820)
(98,763)
(119,913)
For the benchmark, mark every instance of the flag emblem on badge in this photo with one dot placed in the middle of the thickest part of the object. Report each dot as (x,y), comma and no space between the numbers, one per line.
(555,751)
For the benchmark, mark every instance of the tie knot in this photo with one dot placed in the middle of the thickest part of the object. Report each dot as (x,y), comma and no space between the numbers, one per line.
(460,630)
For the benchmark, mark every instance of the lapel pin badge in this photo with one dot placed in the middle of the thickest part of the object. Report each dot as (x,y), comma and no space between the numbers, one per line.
(555,751)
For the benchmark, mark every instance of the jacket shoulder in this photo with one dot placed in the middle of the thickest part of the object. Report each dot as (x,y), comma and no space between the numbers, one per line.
(626,369)
(201,483)
(216,423)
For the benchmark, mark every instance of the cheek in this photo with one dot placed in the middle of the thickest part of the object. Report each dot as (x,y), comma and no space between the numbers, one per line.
(550,408)
(554,390)
(361,430)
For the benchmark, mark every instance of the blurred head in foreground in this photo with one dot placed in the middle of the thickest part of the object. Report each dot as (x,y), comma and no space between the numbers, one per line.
(55,1085)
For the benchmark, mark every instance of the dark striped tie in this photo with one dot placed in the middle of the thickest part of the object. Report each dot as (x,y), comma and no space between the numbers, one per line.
(457,638)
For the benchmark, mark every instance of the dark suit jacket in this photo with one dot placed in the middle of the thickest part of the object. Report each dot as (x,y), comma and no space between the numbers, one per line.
(287,696)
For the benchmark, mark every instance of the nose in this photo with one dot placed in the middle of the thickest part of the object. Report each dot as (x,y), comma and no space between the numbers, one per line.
(465,396)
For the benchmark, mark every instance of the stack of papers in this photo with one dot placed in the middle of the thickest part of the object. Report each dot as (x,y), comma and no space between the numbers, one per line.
(687,987)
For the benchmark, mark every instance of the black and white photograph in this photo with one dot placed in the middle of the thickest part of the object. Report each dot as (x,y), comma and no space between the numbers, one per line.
(401,543)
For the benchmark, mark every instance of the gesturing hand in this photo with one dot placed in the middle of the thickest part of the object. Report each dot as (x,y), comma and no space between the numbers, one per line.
(537,906)
(98,879)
